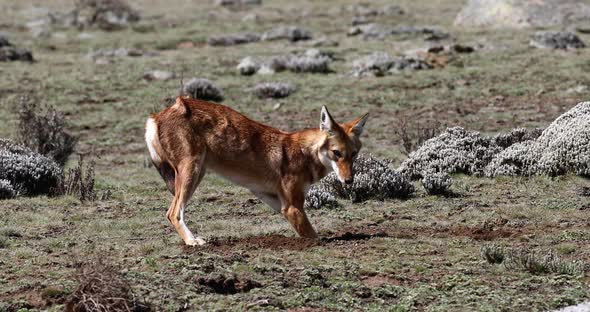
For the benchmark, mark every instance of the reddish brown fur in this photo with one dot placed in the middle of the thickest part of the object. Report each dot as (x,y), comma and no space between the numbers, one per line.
(278,167)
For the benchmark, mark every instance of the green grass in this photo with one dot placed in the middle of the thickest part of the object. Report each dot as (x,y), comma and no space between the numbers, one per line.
(429,258)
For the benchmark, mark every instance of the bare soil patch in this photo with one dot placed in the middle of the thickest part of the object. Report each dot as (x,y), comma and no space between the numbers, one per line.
(273,242)
(227,285)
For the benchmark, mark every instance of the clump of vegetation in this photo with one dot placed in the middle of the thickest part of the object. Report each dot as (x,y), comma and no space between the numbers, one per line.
(227,285)
(6,189)
(556,40)
(275,90)
(78,182)
(457,150)
(380,64)
(237,2)
(561,148)
(42,129)
(27,172)
(530,261)
(320,196)
(203,89)
(301,63)
(102,288)
(233,39)
(493,254)
(291,33)
(437,183)
(373,179)
(412,137)
(104,14)
(536,263)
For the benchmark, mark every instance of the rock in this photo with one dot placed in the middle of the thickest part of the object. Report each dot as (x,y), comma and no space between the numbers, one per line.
(158,75)
(274,90)
(248,66)
(203,89)
(556,40)
(234,39)
(291,33)
(522,13)
(251,18)
(10,53)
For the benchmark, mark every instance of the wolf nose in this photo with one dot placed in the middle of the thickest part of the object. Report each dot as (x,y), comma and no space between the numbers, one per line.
(349,180)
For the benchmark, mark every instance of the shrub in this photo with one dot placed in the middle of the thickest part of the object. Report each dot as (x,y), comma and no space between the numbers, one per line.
(291,33)
(203,89)
(493,254)
(373,179)
(412,137)
(536,263)
(436,183)
(563,147)
(381,64)
(234,39)
(28,172)
(273,90)
(102,288)
(248,66)
(78,182)
(556,40)
(43,131)
(320,196)
(105,14)
(6,189)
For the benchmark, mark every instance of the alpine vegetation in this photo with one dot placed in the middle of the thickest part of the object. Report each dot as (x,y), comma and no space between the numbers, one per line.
(275,90)
(6,189)
(43,131)
(203,89)
(311,61)
(27,172)
(8,52)
(436,183)
(457,150)
(561,148)
(556,40)
(380,64)
(291,33)
(373,179)
(320,196)
(233,39)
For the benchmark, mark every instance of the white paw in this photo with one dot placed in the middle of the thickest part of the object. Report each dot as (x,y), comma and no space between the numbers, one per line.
(195,242)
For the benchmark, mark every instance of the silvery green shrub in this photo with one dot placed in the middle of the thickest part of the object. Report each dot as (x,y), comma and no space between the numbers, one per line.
(373,179)
(6,189)
(28,172)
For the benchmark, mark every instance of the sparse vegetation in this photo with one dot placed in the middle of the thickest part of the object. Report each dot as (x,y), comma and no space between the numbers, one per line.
(416,253)
(43,130)
(78,182)
(102,288)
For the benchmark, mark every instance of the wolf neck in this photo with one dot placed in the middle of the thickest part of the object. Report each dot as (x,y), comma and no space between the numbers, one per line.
(311,140)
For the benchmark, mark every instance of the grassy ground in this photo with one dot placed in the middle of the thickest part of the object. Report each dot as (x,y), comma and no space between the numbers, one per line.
(417,254)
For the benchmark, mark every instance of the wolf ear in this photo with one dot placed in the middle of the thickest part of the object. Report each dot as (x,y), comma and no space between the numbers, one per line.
(357,125)
(326,121)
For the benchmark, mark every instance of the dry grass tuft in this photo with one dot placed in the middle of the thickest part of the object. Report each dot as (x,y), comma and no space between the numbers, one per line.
(102,288)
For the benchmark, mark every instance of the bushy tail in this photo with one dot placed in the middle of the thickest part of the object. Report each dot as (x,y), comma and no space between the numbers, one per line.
(156,153)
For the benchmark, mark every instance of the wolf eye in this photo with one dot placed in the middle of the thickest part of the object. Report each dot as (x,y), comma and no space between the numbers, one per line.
(336,153)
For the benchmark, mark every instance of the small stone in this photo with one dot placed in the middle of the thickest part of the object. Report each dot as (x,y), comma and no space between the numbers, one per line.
(158,75)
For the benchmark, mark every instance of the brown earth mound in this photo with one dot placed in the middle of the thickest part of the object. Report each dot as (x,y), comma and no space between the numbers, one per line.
(227,285)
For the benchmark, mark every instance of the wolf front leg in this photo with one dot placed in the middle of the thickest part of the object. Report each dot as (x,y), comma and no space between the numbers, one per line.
(292,198)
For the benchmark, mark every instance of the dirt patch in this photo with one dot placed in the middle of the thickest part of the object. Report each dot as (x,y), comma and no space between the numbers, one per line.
(476,232)
(380,280)
(227,285)
(272,241)
(357,234)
